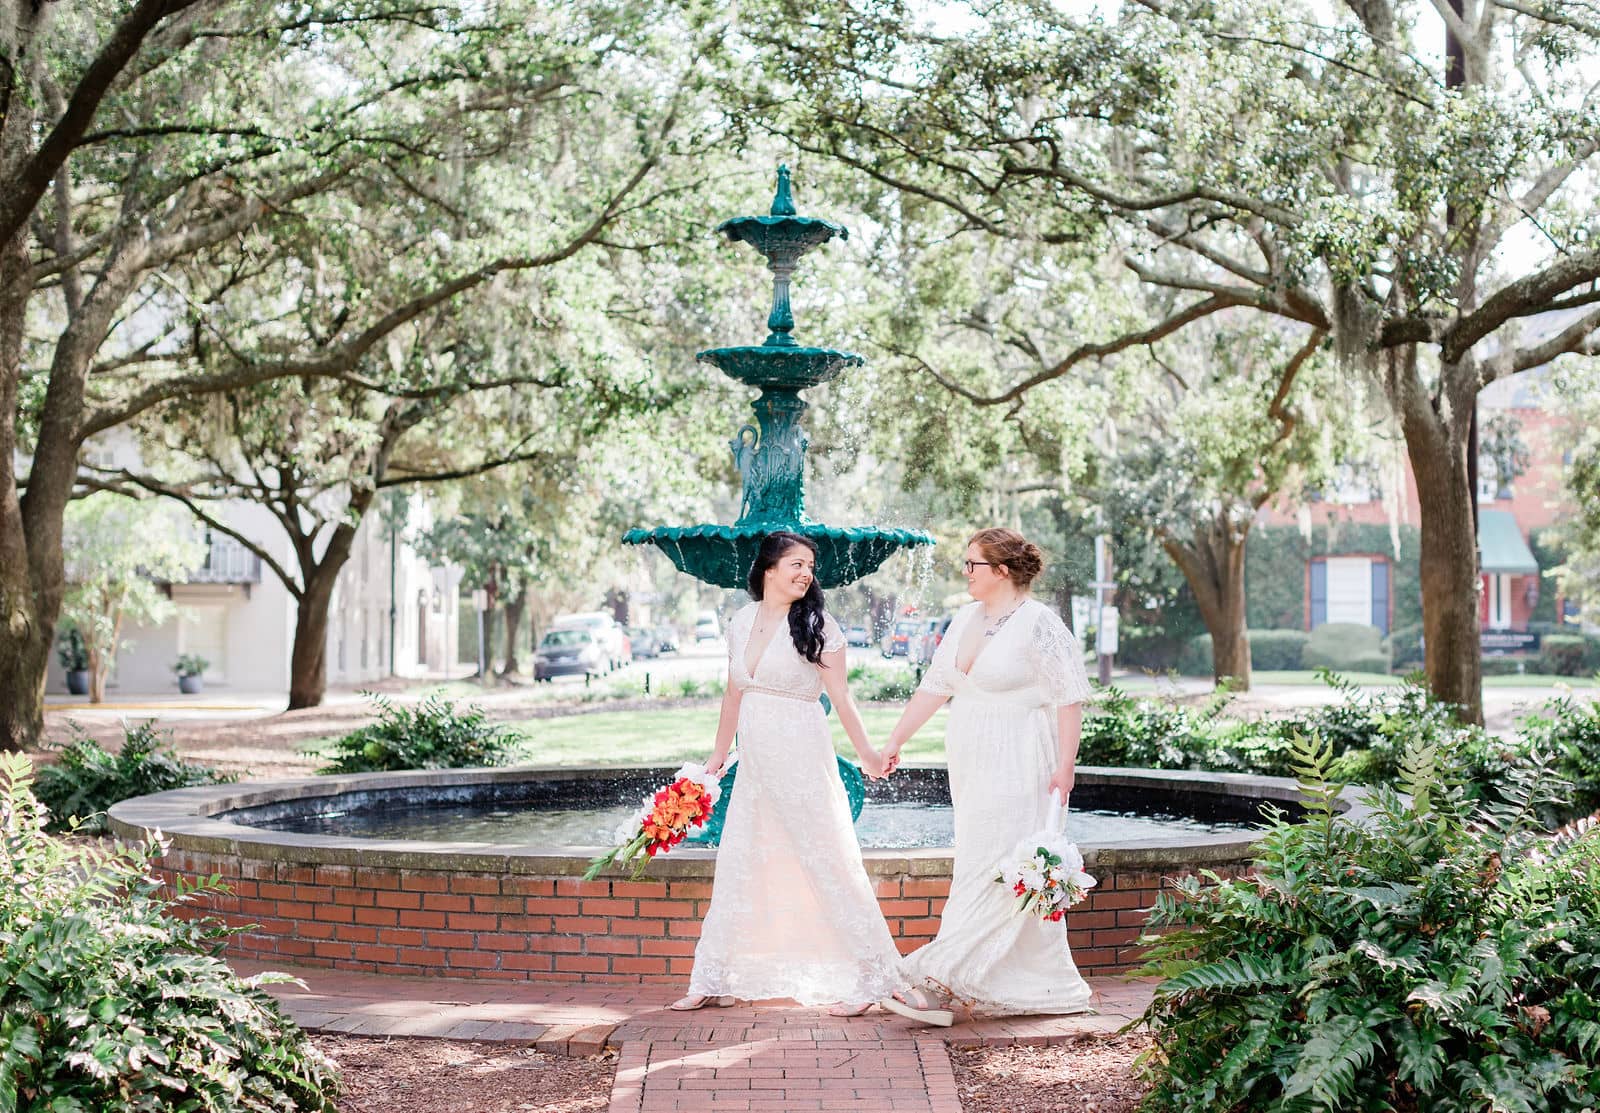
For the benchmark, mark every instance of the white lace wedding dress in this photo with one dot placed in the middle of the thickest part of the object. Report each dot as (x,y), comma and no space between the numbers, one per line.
(792,911)
(1001,747)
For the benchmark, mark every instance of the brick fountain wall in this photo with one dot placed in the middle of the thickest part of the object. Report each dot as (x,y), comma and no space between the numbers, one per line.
(455,923)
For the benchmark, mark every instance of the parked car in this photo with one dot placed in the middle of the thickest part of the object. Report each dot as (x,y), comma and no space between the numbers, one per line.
(643,642)
(706,627)
(612,638)
(897,642)
(857,636)
(570,652)
(666,639)
(928,639)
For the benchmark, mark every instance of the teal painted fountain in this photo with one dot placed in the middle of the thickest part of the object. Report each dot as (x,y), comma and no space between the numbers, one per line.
(771,454)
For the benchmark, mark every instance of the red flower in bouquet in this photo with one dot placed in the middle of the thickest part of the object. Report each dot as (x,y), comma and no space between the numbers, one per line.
(664,820)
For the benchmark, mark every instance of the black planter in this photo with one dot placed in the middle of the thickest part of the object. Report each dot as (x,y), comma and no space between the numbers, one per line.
(78,682)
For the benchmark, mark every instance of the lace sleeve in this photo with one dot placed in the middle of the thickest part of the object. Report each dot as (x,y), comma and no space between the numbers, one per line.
(940,679)
(1057,660)
(832,635)
(734,635)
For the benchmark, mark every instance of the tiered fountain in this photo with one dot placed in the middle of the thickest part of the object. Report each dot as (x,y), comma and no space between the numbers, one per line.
(771,455)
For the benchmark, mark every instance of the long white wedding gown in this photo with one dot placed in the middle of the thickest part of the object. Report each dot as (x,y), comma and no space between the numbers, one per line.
(1001,747)
(792,912)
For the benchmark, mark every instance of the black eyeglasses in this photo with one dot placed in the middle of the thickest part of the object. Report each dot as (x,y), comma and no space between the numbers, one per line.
(969,565)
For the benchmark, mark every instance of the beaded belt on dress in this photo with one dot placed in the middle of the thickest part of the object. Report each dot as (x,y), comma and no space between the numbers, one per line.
(781,693)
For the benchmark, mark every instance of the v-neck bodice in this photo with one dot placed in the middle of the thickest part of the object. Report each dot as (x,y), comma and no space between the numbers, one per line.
(779,670)
(1032,660)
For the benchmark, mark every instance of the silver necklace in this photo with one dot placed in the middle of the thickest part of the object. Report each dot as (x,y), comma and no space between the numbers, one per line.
(992,630)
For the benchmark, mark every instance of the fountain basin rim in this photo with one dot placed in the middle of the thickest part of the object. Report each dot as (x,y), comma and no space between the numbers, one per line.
(639,535)
(798,223)
(187,817)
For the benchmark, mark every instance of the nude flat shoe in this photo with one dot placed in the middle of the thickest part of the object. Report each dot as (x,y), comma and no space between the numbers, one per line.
(919,1005)
(842,1009)
(698,1001)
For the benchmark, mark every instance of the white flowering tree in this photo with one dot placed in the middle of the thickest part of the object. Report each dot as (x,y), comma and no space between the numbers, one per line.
(118,553)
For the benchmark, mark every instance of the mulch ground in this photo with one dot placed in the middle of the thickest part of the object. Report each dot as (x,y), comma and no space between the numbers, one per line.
(1092,1075)
(449,1076)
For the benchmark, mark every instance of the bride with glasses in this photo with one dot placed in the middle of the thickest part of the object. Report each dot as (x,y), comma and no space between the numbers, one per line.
(1013,675)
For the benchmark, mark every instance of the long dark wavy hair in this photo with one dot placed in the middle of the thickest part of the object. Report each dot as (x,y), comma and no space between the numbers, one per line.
(805,615)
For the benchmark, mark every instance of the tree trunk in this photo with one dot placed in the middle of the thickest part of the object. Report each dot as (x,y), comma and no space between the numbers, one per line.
(99,667)
(27,607)
(1450,584)
(514,608)
(1212,562)
(308,661)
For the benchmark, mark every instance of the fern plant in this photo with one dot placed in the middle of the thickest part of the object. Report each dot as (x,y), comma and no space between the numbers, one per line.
(436,734)
(87,779)
(111,1004)
(1444,956)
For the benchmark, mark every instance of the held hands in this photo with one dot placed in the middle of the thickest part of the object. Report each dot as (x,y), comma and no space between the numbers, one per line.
(872,764)
(891,757)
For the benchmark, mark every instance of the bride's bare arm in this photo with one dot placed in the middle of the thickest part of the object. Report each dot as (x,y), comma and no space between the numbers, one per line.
(727,726)
(835,672)
(1069,732)
(919,709)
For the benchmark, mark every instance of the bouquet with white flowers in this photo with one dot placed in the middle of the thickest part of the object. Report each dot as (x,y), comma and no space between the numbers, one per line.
(1045,870)
(663,820)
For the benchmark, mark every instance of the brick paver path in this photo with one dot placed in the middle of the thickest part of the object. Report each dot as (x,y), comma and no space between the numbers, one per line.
(773,1056)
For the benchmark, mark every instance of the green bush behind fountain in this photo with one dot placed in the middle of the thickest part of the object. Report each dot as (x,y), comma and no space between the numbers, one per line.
(770,455)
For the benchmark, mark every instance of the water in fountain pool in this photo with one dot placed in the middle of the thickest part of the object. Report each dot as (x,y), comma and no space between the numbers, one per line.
(885,825)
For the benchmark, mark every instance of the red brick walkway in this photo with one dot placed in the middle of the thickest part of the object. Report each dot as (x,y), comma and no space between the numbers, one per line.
(773,1056)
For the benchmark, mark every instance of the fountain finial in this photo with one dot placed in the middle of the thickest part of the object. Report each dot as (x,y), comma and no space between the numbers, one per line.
(783,201)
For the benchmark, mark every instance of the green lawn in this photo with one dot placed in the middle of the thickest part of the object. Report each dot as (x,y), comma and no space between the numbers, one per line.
(682,734)
(673,735)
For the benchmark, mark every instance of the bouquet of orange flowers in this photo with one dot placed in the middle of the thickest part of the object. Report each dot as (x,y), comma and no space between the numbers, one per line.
(663,820)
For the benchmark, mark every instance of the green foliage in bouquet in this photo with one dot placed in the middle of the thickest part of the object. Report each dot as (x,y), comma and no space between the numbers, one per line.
(87,779)
(1443,957)
(435,735)
(110,1004)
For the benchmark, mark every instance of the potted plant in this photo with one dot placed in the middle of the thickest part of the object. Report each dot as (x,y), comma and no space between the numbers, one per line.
(74,657)
(190,667)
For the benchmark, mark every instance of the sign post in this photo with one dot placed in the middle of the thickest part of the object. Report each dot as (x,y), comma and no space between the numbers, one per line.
(480,603)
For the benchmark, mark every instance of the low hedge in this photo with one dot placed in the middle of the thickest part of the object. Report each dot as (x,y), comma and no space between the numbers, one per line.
(1569,655)
(1346,647)
(1274,650)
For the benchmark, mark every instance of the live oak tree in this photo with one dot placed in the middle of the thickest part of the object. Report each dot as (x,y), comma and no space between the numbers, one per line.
(139,138)
(1219,422)
(1332,167)
(1175,444)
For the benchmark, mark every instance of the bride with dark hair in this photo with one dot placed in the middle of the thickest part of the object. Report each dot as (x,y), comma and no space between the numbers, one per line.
(792,911)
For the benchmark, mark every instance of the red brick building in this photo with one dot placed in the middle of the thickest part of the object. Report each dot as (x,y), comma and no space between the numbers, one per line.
(1359,586)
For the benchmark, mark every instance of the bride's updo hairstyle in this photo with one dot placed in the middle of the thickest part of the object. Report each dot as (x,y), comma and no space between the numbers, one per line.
(805,615)
(1022,558)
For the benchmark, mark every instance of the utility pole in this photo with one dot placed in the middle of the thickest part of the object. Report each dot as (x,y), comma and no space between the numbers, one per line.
(394,561)
(1105,617)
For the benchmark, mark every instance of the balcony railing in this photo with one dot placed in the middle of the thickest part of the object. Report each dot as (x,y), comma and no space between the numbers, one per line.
(227,562)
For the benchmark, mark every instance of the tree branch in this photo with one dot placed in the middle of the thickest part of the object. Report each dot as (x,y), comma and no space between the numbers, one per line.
(1582,337)
(177,494)
(1521,298)
(25,189)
